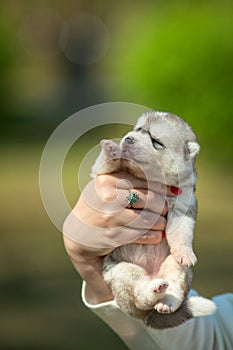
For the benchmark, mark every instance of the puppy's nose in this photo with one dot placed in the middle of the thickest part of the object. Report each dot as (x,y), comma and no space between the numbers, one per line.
(130,140)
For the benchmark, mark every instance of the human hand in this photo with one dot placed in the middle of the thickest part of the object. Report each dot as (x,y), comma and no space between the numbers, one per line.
(101,220)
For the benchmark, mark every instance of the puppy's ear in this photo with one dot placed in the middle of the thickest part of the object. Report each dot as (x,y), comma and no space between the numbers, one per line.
(191,150)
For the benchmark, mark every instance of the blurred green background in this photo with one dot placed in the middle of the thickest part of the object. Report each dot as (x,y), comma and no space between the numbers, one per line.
(59,57)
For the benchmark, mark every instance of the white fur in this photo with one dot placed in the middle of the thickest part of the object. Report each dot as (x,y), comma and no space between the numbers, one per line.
(201,306)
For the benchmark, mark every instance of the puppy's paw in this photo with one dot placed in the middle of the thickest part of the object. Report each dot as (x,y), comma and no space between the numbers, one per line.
(184,256)
(147,293)
(159,285)
(111,149)
(164,308)
(168,304)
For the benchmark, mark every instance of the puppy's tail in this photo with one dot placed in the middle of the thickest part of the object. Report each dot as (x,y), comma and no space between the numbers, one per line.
(191,307)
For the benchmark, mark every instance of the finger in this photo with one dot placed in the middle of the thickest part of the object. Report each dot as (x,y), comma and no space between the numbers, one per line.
(148,200)
(132,218)
(128,181)
(134,235)
(142,219)
(97,240)
(124,180)
(111,201)
(151,237)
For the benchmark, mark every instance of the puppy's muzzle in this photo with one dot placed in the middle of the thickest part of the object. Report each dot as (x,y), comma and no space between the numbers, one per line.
(129,140)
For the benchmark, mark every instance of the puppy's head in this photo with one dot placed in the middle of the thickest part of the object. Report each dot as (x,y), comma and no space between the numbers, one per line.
(162,147)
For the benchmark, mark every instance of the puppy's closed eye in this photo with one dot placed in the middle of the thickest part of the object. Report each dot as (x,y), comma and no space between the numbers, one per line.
(139,129)
(157,144)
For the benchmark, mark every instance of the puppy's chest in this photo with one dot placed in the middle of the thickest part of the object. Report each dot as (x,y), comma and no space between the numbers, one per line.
(150,257)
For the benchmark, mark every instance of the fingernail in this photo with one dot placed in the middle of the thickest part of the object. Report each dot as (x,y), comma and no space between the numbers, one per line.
(175,190)
(163,235)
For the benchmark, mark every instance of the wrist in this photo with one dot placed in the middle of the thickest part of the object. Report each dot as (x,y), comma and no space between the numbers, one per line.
(95,295)
(96,289)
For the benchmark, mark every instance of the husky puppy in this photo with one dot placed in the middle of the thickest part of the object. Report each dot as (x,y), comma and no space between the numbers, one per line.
(151,282)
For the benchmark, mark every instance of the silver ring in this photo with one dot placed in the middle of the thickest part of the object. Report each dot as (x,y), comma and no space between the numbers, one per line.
(132,198)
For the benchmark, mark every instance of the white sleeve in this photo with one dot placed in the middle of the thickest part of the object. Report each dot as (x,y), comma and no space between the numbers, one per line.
(203,333)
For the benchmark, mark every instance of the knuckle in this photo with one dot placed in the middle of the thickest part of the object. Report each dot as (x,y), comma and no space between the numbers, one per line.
(105,188)
(150,198)
(103,180)
(160,203)
(147,217)
(105,220)
(107,195)
(156,203)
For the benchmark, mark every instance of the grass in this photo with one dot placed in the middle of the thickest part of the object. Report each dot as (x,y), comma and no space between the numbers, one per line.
(40,291)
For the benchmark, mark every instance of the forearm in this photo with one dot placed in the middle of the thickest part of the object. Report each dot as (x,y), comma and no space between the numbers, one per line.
(88,263)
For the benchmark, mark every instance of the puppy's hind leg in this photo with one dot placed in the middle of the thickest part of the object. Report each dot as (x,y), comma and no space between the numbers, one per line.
(132,287)
(148,292)
(179,282)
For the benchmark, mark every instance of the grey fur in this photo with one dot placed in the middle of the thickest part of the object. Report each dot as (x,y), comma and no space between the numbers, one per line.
(157,320)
